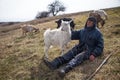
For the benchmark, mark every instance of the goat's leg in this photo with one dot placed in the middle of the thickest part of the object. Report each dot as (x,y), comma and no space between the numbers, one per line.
(62,49)
(23,33)
(46,51)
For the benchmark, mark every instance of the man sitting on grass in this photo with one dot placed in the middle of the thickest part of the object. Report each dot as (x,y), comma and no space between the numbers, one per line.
(90,46)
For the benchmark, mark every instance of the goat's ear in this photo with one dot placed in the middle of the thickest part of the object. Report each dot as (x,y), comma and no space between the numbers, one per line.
(56,21)
(70,21)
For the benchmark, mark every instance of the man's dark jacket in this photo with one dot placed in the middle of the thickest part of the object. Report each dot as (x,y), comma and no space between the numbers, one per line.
(91,37)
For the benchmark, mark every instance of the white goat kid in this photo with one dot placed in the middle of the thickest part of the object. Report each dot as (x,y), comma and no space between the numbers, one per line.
(59,37)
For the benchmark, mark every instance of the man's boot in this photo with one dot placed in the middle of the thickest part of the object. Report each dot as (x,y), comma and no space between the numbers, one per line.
(72,63)
(64,70)
(53,64)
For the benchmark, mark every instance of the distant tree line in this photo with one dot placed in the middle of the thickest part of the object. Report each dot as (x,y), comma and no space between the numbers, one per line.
(7,23)
(53,9)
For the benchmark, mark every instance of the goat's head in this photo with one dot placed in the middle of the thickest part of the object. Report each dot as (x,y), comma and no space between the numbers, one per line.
(65,25)
(36,29)
(72,24)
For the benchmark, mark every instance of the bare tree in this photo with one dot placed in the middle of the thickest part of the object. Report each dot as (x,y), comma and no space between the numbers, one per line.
(56,7)
(42,14)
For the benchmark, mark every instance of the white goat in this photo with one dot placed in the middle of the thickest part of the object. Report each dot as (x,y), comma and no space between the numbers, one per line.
(60,37)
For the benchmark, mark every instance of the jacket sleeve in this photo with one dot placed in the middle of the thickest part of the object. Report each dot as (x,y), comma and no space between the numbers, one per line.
(99,47)
(75,35)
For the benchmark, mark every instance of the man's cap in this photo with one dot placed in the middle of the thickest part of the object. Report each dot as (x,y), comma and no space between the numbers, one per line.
(92,19)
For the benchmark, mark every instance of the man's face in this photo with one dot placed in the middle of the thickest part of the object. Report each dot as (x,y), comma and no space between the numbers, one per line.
(90,23)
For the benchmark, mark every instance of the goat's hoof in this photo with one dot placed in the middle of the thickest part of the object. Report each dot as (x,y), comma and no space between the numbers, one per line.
(45,58)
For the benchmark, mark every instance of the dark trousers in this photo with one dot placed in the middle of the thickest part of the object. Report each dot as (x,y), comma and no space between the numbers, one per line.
(75,56)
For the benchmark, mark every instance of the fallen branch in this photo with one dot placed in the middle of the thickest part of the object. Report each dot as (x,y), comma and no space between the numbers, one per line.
(99,67)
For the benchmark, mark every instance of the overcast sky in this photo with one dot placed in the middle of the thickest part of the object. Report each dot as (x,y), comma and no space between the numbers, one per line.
(25,10)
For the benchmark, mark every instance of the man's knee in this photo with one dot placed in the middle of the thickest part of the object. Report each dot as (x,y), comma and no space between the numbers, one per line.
(70,54)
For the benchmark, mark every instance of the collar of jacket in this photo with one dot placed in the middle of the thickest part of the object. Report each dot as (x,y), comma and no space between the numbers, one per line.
(89,28)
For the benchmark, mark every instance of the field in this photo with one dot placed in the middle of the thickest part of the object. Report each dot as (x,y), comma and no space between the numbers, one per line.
(21,56)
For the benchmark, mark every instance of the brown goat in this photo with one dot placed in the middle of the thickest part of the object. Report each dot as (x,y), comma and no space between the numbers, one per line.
(98,18)
(28,29)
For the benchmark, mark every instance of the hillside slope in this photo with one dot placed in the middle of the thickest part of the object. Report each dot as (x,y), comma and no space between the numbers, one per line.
(21,56)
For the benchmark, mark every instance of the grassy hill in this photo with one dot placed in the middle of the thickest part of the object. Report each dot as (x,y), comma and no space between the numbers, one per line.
(21,56)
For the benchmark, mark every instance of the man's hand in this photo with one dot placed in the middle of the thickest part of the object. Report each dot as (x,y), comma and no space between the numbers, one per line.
(92,57)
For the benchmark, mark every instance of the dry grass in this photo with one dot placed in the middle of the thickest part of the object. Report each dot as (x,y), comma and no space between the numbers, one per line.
(21,56)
